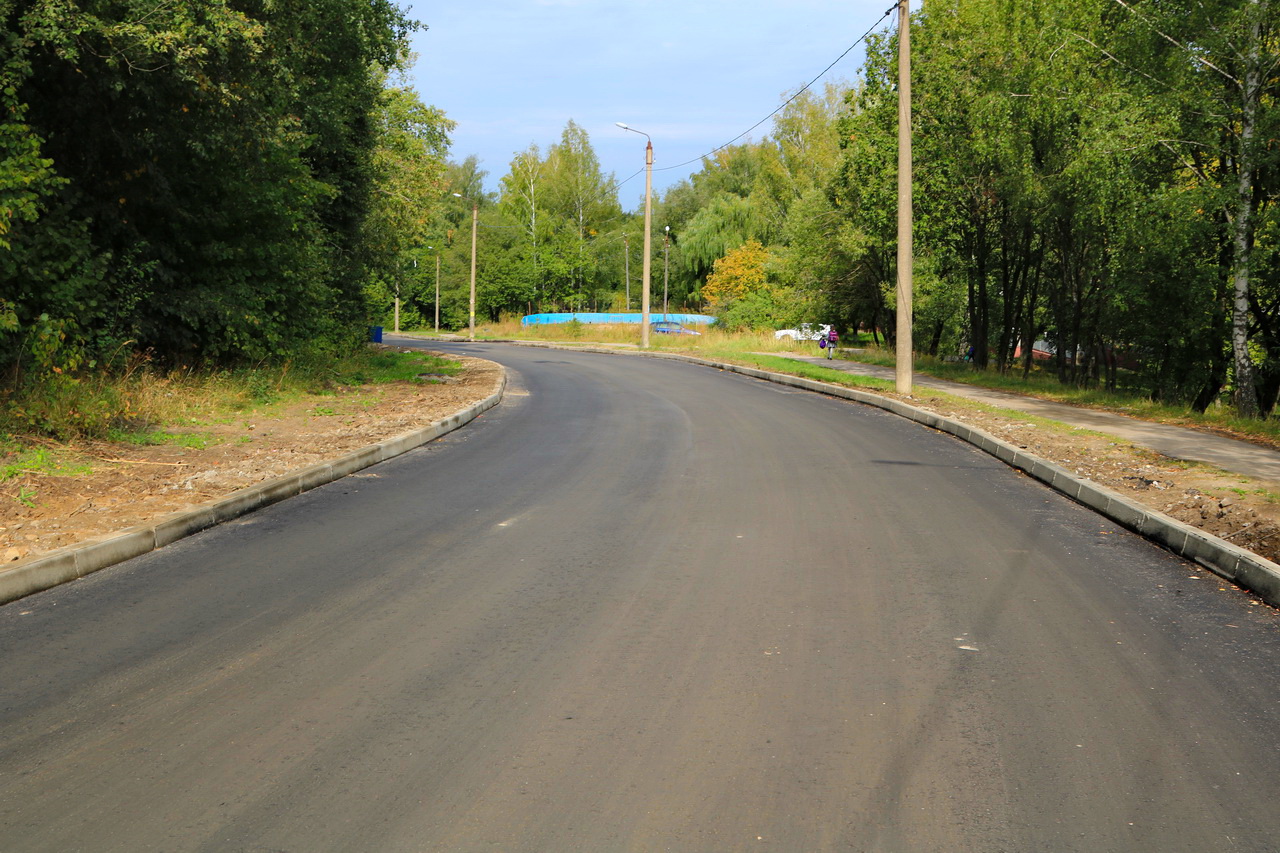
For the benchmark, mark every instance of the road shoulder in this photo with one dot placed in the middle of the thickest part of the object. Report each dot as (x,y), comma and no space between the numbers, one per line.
(162,510)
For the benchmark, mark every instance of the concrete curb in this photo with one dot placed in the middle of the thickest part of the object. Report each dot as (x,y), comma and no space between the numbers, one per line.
(1244,568)
(76,561)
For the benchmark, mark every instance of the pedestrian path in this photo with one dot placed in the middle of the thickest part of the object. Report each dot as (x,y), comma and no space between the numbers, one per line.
(1229,454)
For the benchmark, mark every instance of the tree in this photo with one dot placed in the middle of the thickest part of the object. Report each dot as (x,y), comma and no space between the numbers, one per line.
(190,178)
(412,142)
(582,197)
(523,191)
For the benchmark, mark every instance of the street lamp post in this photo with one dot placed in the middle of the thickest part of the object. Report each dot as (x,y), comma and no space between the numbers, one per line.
(648,218)
(475,219)
(626,266)
(666,266)
(397,319)
(437,288)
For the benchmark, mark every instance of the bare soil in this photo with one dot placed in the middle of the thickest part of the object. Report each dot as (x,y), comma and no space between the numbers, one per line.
(127,485)
(1230,506)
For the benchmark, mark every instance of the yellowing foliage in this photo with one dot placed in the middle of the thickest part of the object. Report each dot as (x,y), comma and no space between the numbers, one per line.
(738,273)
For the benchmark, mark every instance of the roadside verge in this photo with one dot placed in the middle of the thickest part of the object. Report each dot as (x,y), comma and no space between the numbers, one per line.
(76,561)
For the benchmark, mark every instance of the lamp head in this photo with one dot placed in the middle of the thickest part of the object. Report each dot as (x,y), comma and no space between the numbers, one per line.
(622,125)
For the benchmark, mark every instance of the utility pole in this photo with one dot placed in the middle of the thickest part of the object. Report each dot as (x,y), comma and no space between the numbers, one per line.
(415,275)
(648,218)
(475,222)
(437,291)
(648,236)
(904,344)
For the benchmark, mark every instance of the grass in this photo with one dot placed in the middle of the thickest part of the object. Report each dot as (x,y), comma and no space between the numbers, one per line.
(134,406)
(37,460)
(155,437)
(377,368)
(147,407)
(1043,384)
(21,462)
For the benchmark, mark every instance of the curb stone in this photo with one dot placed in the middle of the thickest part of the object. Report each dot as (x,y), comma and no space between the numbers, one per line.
(1243,568)
(76,561)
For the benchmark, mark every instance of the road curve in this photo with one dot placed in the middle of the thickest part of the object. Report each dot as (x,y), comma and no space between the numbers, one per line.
(646,605)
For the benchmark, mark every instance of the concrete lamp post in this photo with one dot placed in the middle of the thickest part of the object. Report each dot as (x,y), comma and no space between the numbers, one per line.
(475,219)
(437,251)
(666,266)
(648,218)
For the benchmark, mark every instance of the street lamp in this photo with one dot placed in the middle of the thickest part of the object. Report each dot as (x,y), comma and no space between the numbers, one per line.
(648,218)
(397,321)
(475,218)
(666,266)
(437,288)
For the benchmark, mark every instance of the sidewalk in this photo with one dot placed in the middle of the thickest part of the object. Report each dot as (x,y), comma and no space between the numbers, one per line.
(1229,454)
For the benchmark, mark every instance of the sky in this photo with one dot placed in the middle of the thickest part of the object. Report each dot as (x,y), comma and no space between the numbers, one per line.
(692,74)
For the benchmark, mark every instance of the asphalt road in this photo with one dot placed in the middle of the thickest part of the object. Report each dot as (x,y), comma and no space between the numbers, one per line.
(648,606)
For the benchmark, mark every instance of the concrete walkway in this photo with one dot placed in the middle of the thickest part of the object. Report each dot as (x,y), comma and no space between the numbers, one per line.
(1241,457)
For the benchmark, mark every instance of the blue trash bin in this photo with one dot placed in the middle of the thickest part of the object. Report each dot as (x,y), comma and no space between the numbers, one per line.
(375,334)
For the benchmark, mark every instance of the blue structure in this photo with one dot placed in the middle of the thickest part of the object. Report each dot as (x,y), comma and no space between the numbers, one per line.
(616,317)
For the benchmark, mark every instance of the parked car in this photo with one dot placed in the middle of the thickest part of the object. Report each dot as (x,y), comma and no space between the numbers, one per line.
(805,332)
(671,327)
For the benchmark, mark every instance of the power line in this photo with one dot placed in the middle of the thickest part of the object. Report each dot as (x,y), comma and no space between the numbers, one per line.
(781,106)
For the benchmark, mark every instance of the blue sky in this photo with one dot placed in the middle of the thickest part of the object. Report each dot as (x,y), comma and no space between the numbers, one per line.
(692,74)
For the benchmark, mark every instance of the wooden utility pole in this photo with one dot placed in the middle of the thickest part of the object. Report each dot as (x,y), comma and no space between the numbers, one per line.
(475,222)
(648,236)
(903,338)
(648,247)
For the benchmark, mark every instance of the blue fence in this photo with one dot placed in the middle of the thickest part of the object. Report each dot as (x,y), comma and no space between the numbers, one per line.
(616,317)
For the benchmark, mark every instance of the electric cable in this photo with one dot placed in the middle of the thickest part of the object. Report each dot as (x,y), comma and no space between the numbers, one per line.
(781,106)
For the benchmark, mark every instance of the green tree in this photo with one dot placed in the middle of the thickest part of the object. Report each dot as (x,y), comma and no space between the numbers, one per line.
(194,178)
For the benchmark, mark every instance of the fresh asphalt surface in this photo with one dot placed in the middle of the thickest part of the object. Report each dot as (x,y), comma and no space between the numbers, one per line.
(646,605)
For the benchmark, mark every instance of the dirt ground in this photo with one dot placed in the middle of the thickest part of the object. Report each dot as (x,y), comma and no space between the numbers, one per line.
(1230,506)
(128,485)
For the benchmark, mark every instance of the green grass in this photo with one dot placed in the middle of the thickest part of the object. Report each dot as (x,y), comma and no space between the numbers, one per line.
(38,460)
(135,407)
(1043,384)
(791,367)
(157,437)
(149,407)
(377,368)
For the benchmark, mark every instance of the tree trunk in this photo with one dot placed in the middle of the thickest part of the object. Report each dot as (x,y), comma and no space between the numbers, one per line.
(1212,388)
(1246,393)
(1029,330)
(981,324)
(936,339)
